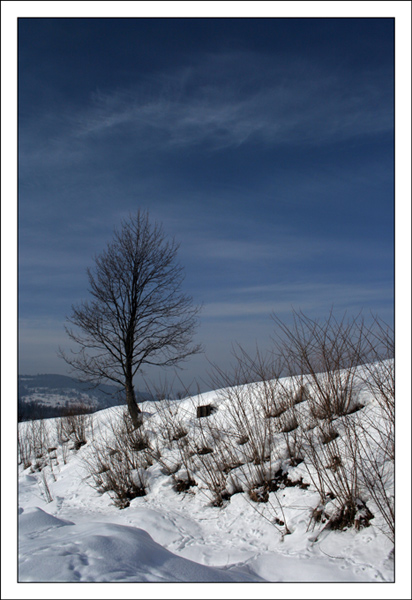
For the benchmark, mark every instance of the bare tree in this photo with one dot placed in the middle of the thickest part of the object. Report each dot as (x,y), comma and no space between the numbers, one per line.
(138,314)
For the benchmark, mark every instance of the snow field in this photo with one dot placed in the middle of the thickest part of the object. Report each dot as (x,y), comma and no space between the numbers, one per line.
(218,529)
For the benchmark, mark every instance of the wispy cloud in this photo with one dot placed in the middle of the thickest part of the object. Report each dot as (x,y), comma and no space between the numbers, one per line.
(283,297)
(279,244)
(224,101)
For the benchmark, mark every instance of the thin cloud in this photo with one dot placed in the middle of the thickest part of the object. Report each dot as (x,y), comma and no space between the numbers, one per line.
(218,310)
(284,297)
(276,246)
(224,101)
(293,111)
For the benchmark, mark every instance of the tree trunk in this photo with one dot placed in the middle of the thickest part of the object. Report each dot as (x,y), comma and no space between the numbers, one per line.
(134,410)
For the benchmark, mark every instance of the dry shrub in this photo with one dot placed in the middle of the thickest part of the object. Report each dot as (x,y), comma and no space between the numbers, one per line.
(288,423)
(375,462)
(75,425)
(118,464)
(329,354)
(314,414)
(24,447)
(172,427)
(33,441)
(183,485)
(354,458)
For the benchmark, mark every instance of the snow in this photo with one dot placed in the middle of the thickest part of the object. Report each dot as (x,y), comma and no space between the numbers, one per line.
(61,392)
(103,552)
(74,534)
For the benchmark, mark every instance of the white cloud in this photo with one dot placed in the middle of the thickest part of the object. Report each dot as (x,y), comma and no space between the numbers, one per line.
(281,298)
(278,106)
(277,246)
(222,101)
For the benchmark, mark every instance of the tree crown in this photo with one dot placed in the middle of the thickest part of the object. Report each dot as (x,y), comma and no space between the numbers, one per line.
(138,313)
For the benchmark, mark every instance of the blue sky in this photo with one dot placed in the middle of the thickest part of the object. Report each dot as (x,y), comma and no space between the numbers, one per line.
(265,146)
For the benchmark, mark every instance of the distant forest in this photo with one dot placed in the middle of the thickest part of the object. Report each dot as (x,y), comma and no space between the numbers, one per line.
(31,411)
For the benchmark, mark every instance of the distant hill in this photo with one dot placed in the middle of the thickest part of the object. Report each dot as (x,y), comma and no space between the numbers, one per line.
(45,396)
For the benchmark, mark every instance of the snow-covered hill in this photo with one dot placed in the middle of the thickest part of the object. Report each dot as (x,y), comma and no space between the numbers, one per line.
(44,396)
(201,505)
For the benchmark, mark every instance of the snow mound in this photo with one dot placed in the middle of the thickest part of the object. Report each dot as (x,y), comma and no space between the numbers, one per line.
(103,552)
(37,520)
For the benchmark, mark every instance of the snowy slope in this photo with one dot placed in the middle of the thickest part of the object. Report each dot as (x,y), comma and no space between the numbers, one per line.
(68,532)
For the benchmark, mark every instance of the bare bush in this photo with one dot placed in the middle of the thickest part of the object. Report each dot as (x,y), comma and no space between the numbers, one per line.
(74,426)
(172,426)
(375,466)
(174,431)
(328,354)
(118,465)
(24,448)
(214,476)
(215,455)
(249,453)
(332,463)
(46,489)
(39,438)
(252,406)
(33,442)
(332,357)
(378,374)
